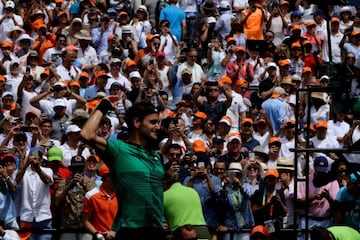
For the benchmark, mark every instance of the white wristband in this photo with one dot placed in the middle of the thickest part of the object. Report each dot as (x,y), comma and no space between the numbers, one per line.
(99,236)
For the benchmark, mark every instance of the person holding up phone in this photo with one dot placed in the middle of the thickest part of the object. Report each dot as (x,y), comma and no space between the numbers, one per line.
(208,187)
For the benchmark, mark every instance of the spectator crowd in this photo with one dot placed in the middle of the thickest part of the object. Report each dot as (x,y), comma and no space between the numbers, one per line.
(241,87)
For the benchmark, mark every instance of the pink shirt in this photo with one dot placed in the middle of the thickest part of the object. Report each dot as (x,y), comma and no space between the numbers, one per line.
(318,208)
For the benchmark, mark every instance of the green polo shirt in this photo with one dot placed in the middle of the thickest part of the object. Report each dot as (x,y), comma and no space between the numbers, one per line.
(138,181)
(182,206)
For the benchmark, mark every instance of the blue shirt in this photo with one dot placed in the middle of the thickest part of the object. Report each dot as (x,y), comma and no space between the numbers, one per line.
(350,207)
(91,92)
(275,110)
(100,41)
(207,198)
(175,16)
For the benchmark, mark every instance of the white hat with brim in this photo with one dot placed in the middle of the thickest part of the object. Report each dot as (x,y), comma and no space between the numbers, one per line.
(83,35)
(24,37)
(14,28)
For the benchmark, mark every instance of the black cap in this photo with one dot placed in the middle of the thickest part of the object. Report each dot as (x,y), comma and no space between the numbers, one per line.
(77,161)
(218,139)
(105,17)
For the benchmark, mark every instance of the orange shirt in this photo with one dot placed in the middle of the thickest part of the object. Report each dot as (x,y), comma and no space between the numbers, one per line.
(48,43)
(253,26)
(103,208)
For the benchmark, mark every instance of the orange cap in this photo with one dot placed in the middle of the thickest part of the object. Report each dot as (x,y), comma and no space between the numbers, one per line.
(261,120)
(93,156)
(311,127)
(227,120)
(310,23)
(247,120)
(74,84)
(321,123)
(306,42)
(58,1)
(62,13)
(101,73)
(199,145)
(229,39)
(260,229)
(296,27)
(201,115)
(272,172)
(234,136)
(46,72)
(225,79)
(2,78)
(240,48)
(72,48)
(335,19)
(284,62)
(242,83)
(306,69)
(355,33)
(84,74)
(104,170)
(123,13)
(296,45)
(274,140)
(284,3)
(149,37)
(130,63)
(6,44)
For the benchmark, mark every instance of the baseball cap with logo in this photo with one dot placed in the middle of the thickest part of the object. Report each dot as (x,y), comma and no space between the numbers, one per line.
(321,164)
(77,161)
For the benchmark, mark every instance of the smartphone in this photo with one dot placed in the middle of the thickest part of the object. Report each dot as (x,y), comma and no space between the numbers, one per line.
(151,61)
(27,69)
(26,128)
(43,32)
(251,157)
(201,164)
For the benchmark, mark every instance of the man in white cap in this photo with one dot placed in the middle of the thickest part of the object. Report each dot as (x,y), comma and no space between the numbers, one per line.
(73,146)
(59,90)
(9,19)
(116,76)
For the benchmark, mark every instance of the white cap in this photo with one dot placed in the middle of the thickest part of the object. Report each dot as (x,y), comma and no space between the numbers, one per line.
(224,5)
(296,77)
(59,83)
(233,136)
(211,20)
(126,29)
(271,64)
(226,121)
(279,90)
(9,4)
(7,94)
(134,74)
(59,103)
(72,128)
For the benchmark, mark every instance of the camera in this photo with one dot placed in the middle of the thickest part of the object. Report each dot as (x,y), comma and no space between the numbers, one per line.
(26,128)
(57,88)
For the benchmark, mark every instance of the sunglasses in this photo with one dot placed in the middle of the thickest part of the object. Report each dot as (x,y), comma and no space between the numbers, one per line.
(174,155)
